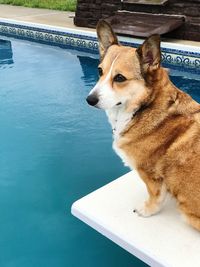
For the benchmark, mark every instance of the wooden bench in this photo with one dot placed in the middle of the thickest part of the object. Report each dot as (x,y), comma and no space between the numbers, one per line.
(144,24)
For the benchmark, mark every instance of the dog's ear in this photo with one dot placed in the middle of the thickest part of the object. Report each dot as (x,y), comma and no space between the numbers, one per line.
(106,36)
(150,54)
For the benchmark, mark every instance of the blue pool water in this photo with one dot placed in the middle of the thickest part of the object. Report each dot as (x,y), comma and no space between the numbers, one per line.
(54,149)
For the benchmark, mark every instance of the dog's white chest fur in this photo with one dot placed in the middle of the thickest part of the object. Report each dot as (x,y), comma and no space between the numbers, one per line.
(119,120)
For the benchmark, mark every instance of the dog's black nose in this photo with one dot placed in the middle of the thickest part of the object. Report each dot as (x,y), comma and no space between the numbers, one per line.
(92,100)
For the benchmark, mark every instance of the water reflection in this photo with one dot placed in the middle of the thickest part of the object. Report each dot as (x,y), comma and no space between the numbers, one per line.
(87,63)
(6,54)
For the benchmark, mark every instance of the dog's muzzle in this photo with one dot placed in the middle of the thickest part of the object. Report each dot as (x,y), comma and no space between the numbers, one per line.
(92,99)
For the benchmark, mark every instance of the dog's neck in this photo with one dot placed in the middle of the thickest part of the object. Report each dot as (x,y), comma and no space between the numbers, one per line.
(119,119)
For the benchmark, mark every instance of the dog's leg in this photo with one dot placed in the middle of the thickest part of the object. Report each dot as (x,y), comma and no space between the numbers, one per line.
(157,193)
(190,218)
(193,221)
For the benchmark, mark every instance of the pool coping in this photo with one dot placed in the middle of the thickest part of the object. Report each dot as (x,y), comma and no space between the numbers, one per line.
(177,54)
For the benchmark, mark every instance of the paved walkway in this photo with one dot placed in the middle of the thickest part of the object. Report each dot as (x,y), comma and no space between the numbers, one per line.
(53,17)
(39,15)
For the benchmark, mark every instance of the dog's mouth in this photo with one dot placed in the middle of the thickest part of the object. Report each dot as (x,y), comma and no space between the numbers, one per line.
(93,100)
(119,103)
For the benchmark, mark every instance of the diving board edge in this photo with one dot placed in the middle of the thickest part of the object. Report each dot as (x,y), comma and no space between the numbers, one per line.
(134,249)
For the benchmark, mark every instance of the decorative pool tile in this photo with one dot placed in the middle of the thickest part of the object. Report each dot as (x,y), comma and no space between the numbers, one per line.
(186,59)
(50,37)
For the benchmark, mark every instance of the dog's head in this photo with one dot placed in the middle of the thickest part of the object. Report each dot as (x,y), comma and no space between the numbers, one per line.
(123,70)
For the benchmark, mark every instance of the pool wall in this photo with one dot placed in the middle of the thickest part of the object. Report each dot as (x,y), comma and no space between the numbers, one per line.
(186,56)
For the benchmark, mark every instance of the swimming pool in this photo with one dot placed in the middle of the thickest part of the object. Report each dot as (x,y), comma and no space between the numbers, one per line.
(54,150)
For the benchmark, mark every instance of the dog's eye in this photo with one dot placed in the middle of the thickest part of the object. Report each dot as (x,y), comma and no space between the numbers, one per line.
(100,71)
(119,78)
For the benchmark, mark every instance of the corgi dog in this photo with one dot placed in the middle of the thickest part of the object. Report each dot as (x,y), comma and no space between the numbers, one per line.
(156,126)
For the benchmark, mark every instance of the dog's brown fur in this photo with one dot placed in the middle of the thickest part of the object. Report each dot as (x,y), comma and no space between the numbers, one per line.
(163,139)
(164,142)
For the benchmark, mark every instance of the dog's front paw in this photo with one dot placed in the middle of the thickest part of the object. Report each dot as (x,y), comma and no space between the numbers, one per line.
(143,211)
(147,210)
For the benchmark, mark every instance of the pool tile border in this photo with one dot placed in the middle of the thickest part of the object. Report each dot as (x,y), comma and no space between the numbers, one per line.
(47,36)
(87,41)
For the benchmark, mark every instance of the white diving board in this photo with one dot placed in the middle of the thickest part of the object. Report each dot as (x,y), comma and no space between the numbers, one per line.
(161,240)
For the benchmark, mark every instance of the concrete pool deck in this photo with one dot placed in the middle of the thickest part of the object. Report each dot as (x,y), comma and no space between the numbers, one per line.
(40,15)
(55,18)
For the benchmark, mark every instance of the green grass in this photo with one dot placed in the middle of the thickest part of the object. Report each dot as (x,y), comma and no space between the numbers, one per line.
(67,5)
